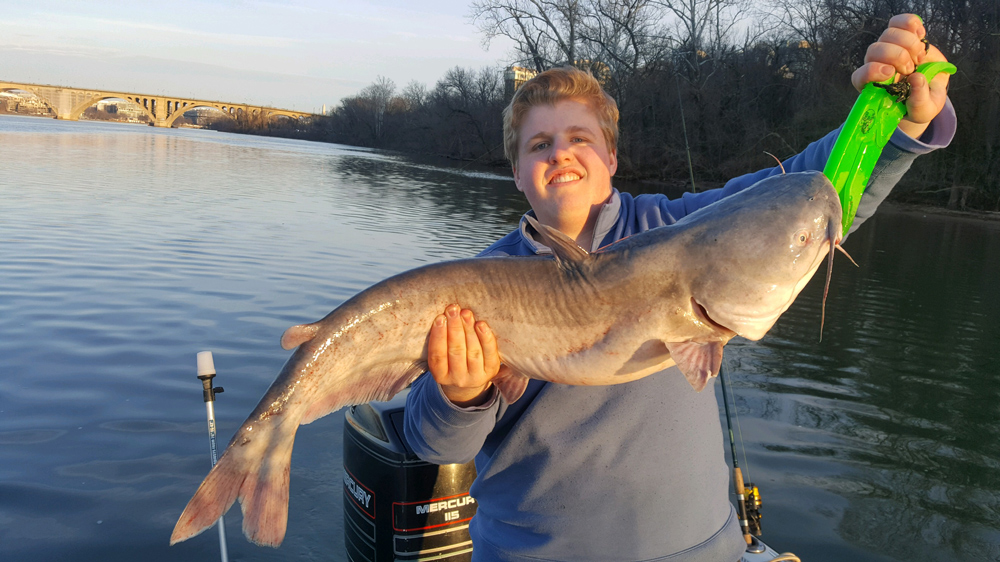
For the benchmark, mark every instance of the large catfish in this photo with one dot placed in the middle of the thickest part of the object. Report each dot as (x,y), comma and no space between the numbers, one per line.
(671,295)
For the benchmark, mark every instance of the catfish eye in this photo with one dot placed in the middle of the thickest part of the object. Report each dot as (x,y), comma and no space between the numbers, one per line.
(801,238)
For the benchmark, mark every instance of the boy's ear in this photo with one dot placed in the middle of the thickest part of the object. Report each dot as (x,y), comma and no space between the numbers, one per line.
(613,162)
(517,178)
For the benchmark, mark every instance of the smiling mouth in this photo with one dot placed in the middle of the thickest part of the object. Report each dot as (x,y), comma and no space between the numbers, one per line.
(702,315)
(564,177)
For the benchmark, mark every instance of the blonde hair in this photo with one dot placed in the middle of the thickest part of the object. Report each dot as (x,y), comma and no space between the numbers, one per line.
(553,86)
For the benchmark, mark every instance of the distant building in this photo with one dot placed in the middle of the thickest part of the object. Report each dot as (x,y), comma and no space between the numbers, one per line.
(513,77)
(124,110)
(25,103)
(202,116)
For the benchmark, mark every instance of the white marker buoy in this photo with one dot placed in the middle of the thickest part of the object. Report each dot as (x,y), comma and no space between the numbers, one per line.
(206,372)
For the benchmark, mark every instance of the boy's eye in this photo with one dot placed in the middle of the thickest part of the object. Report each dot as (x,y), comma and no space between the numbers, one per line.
(541,146)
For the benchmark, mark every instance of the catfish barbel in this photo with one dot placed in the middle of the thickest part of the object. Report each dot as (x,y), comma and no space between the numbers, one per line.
(671,295)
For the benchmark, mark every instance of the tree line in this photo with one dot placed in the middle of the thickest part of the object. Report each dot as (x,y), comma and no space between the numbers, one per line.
(718,81)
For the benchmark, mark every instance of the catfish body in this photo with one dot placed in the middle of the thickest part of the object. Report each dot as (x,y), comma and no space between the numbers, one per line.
(672,295)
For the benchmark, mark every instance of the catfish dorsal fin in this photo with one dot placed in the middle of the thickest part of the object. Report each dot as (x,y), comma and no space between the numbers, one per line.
(565,248)
(298,335)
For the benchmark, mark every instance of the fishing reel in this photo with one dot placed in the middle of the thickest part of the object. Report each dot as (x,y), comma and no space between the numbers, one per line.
(752,504)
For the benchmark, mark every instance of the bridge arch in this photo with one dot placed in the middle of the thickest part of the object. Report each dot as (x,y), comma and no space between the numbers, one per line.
(182,109)
(234,112)
(294,116)
(147,104)
(20,88)
(79,109)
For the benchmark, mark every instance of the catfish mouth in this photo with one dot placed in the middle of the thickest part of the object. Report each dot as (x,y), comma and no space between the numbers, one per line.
(702,314)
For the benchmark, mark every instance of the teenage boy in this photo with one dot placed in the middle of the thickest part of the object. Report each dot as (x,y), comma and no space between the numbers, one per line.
(634,471)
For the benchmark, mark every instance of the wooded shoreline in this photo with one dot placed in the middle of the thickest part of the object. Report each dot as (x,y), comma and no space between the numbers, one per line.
(688,83)
(719,83)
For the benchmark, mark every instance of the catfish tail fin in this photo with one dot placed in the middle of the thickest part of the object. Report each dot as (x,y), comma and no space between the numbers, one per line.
(255,472)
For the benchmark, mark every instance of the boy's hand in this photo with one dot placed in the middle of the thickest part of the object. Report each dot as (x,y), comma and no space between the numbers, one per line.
(462,356)
(900,49)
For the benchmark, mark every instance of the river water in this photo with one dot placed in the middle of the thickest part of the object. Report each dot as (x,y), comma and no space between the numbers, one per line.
(125,250)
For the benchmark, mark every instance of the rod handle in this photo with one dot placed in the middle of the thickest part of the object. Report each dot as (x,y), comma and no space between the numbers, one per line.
(742,508)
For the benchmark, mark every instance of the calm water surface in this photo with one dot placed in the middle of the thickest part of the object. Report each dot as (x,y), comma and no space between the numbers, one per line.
(126,250)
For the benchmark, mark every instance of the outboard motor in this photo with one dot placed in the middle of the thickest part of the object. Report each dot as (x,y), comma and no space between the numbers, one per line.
(396,506)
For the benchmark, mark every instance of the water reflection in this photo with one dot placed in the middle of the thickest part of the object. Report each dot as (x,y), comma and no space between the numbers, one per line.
(130,471)
(125,253)
(127,250)
(30,436)
(900,393)
(444,209)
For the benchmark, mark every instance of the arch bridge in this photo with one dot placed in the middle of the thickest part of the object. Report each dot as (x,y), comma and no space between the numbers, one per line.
(70,103)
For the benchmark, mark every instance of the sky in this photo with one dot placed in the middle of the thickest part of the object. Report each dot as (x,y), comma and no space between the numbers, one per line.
(291,54)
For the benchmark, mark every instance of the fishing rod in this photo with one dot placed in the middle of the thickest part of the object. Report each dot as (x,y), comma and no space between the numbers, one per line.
(687,146)
(748,496)
(206,372)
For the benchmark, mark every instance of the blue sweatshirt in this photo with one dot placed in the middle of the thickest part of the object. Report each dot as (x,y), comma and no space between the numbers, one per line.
(632,471)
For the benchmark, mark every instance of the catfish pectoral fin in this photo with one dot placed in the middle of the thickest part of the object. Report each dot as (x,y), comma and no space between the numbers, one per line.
(511,385)
(698,361)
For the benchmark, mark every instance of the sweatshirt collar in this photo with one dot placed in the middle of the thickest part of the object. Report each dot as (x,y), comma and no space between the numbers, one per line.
(607,218)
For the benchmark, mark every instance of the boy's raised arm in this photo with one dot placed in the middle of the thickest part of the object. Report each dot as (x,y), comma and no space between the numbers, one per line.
(928,125)
(900,49)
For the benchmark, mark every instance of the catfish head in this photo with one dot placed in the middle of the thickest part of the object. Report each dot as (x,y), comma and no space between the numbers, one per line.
(759,248)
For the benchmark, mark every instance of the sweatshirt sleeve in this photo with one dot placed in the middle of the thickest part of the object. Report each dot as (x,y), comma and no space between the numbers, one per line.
(442,433)
(895,160)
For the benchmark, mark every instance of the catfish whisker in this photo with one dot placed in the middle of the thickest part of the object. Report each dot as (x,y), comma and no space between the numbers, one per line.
(826,291)
(843,251)
(780,165)
(834,237)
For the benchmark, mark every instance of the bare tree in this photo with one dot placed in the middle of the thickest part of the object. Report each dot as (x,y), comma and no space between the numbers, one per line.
(742,88)
(472,102)
(704,32)
(415,94)
(625,42)
(808,20)
(377,98)
(625,34)
(546,32)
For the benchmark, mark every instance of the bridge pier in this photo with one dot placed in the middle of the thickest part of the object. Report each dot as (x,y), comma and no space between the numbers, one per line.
(63,101)
(159,111)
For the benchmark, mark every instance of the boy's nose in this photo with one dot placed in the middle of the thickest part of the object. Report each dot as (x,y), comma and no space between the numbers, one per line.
(560,152)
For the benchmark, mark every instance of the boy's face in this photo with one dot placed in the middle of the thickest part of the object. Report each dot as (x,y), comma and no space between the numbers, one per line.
(564,166)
